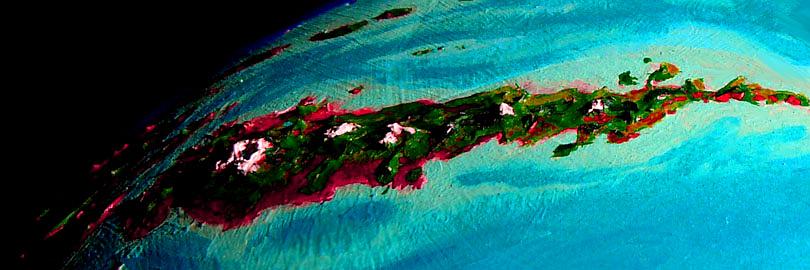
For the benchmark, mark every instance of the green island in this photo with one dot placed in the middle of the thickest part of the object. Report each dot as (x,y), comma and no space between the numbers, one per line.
(394,13)
(427,51)
(626,79)
(301,155)
(355,26)
(339,31)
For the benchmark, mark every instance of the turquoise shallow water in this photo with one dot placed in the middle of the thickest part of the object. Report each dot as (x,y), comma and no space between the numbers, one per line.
(706,205)
(714,186)
(702,204)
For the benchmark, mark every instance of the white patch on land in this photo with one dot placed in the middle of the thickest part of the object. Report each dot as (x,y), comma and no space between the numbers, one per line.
(506,109)
(393,135)
(597,105)
(340,130)
(251,164)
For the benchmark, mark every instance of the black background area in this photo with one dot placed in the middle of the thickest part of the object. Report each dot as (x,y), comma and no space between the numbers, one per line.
(84,80)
